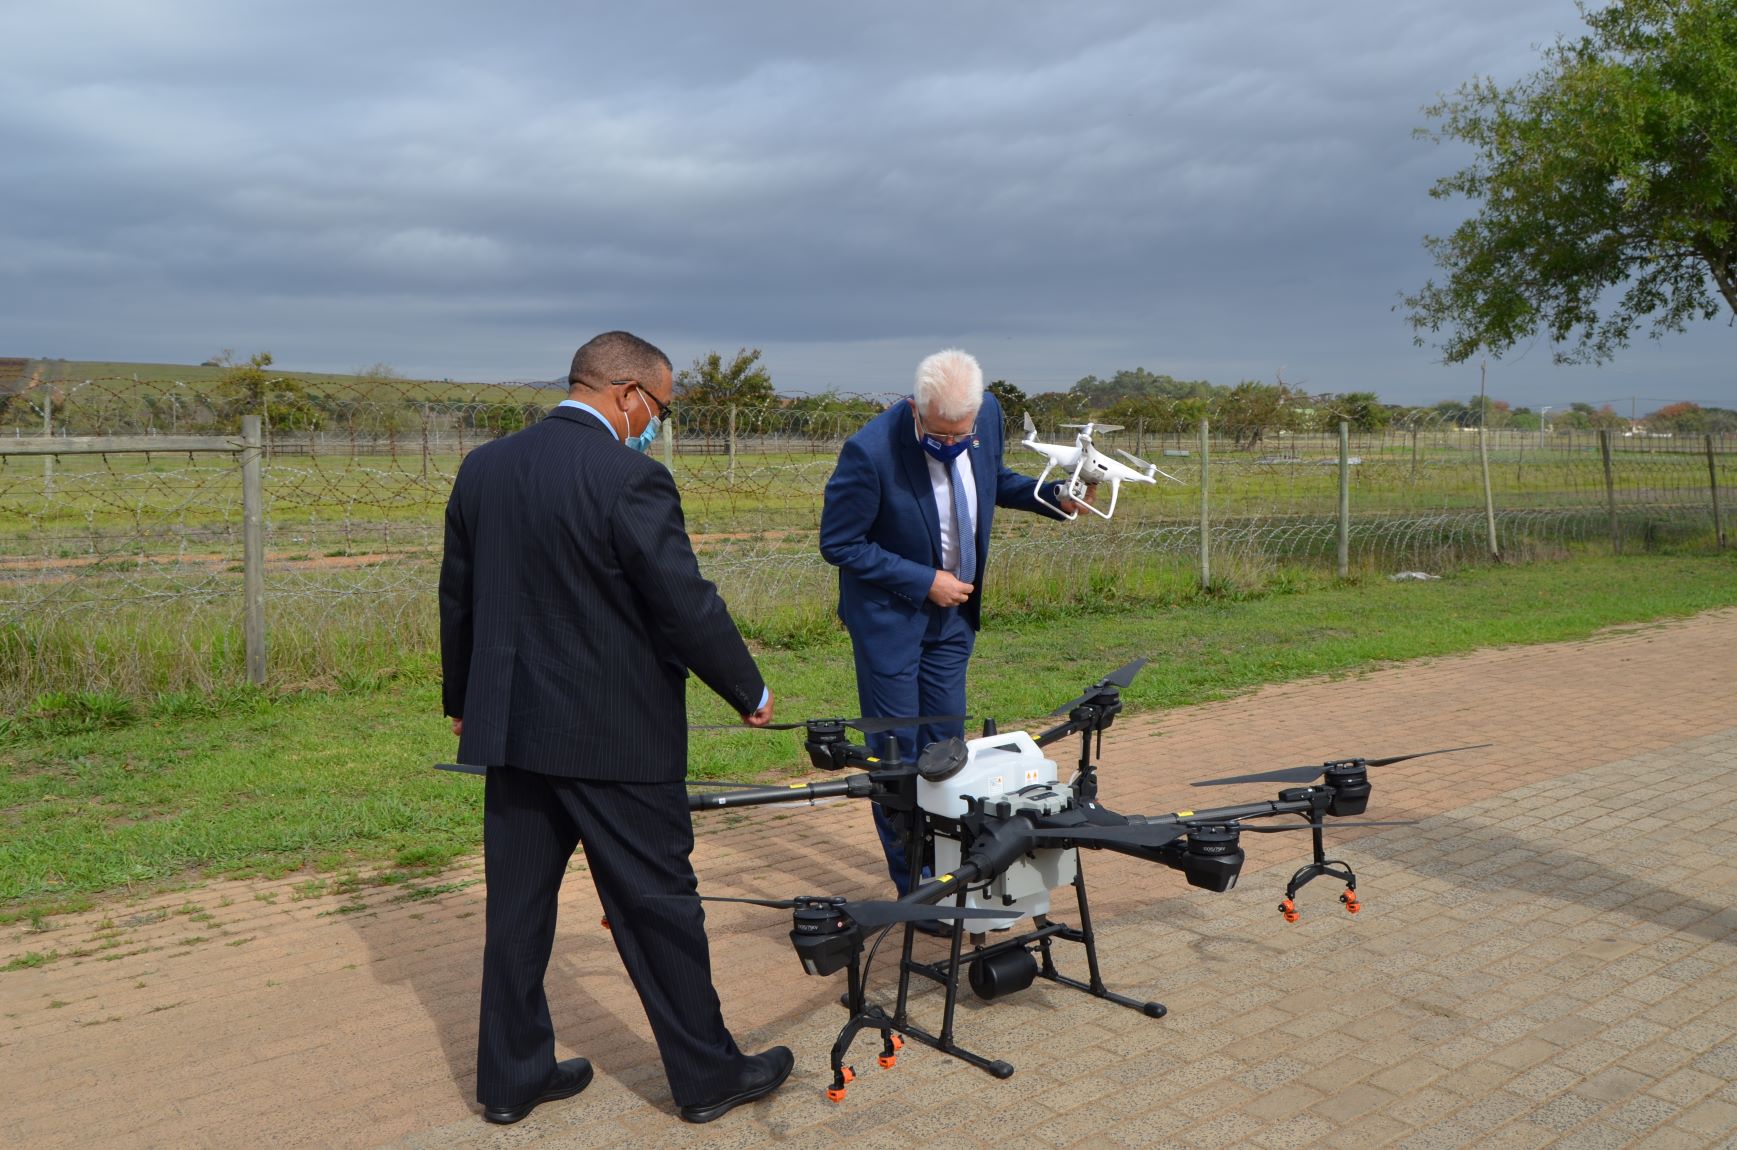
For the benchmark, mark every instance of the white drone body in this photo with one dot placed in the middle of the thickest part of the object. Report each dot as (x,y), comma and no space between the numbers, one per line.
(1086,466)
(1008,768)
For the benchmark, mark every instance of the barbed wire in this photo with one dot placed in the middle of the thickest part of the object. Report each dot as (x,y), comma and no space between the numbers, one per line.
(123,572)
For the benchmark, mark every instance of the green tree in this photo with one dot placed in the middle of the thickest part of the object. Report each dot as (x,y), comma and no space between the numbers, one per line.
(248,389)
(1363,410)
(1607,185)
(711,382)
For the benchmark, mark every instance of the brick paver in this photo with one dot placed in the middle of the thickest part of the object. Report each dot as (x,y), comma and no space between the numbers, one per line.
(1548,958)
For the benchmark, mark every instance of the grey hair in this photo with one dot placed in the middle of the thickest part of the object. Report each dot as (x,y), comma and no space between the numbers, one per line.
(949,384)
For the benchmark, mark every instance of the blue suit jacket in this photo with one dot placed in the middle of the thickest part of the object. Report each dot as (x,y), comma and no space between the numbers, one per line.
(881,529)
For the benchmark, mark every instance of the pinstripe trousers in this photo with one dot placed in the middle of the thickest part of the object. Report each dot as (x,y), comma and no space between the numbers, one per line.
(637,837)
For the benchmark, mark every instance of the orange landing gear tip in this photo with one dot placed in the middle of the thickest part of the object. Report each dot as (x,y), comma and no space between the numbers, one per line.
(845,1077)
(1349,898)
(1288,908)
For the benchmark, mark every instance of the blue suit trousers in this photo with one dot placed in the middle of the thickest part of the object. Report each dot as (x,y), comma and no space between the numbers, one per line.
(927,681)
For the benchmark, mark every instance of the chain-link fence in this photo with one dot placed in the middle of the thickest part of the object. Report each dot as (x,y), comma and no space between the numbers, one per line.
(124,571)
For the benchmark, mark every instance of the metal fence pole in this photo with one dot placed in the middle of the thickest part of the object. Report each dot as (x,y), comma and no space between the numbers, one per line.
(1604,435)
(1205,510)
(1713,485)
(730,478)
(48,433)
(253,549)
(1344,499)
(1489,497)
(669,434)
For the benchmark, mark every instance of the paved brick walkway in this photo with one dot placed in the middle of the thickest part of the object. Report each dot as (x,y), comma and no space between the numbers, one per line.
(1550,958)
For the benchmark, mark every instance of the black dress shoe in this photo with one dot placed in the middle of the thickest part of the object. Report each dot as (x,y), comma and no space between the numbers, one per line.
(763,1074)
(570,1078)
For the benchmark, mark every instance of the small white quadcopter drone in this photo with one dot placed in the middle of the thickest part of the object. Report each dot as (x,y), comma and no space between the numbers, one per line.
(1087,466)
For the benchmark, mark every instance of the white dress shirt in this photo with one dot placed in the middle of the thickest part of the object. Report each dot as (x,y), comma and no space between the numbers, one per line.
(943,489)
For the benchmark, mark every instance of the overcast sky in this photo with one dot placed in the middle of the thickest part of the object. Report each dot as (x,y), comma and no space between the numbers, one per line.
(1219,191)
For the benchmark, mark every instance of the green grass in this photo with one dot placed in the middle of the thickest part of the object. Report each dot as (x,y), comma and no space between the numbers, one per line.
(99,793)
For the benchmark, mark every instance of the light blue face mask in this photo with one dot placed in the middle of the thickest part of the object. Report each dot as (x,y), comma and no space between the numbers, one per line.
(643,441)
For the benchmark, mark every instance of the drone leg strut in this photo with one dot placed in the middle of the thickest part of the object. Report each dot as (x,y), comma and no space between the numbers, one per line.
(1088,937)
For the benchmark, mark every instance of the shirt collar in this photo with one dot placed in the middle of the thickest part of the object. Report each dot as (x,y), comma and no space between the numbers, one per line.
(587,407)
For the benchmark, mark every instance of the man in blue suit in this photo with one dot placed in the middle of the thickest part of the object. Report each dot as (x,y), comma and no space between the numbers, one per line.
(906,522)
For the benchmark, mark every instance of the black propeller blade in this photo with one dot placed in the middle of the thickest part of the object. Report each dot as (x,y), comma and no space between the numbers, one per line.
(1314,771)
(872,912)
(868,726)
(1264,830)
(1120,677)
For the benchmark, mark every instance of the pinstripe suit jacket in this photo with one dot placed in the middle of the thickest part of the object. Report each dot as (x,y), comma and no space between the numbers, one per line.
(572,608)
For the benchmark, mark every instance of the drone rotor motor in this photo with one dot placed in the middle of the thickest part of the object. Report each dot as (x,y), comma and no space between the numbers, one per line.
(1212,858)
(1349,781)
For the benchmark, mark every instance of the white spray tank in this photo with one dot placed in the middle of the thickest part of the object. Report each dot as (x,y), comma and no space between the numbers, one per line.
(1009,768)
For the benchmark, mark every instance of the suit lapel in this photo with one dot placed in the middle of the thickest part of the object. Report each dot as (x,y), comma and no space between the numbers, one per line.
(916,465)
(983,473)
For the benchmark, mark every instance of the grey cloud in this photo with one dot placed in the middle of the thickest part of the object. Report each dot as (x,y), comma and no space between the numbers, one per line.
(466,191)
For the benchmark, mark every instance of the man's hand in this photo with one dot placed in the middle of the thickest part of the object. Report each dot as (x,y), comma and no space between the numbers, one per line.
(1071,507)
(458,726)
(947,591)
(763,716)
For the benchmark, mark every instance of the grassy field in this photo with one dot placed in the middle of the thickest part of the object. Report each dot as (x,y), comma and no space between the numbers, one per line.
(100,793)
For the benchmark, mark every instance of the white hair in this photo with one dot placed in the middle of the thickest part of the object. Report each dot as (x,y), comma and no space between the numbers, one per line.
(949,385)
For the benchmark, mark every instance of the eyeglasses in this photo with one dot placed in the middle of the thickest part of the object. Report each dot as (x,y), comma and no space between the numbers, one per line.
(946,438)
(663,409)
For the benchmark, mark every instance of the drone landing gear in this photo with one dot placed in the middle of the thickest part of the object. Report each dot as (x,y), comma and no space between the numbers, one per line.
(995,970)
(1331,868)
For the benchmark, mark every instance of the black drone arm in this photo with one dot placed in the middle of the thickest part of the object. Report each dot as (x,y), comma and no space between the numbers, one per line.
(859,786)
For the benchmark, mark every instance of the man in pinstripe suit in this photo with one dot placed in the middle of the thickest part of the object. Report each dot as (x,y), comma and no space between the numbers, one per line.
(571,611)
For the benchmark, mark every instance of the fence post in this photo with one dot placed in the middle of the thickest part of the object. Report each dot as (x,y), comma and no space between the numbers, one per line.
(1414,454)
(48,433)
(1344,499)
(1489,497)
(1140,436)
(1205,511)
(730,478)
(253,549)
(1713,484)
(1610,490)
(425,441)
(669,445)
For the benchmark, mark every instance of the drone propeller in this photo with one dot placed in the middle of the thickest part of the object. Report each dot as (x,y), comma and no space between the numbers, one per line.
(1310,773)
(1120,677)
(1150,469)
(1273,830)
(871,913)
(868,726)
(1096,427)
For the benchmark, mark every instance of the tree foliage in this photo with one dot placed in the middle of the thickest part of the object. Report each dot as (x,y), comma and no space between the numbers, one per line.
(248,389)
(712,382)
(1606,184)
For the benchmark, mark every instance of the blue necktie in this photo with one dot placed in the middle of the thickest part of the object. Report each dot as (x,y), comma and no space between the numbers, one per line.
(964,532)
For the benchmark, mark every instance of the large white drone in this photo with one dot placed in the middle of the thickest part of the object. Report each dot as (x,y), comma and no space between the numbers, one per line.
(1087,466)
